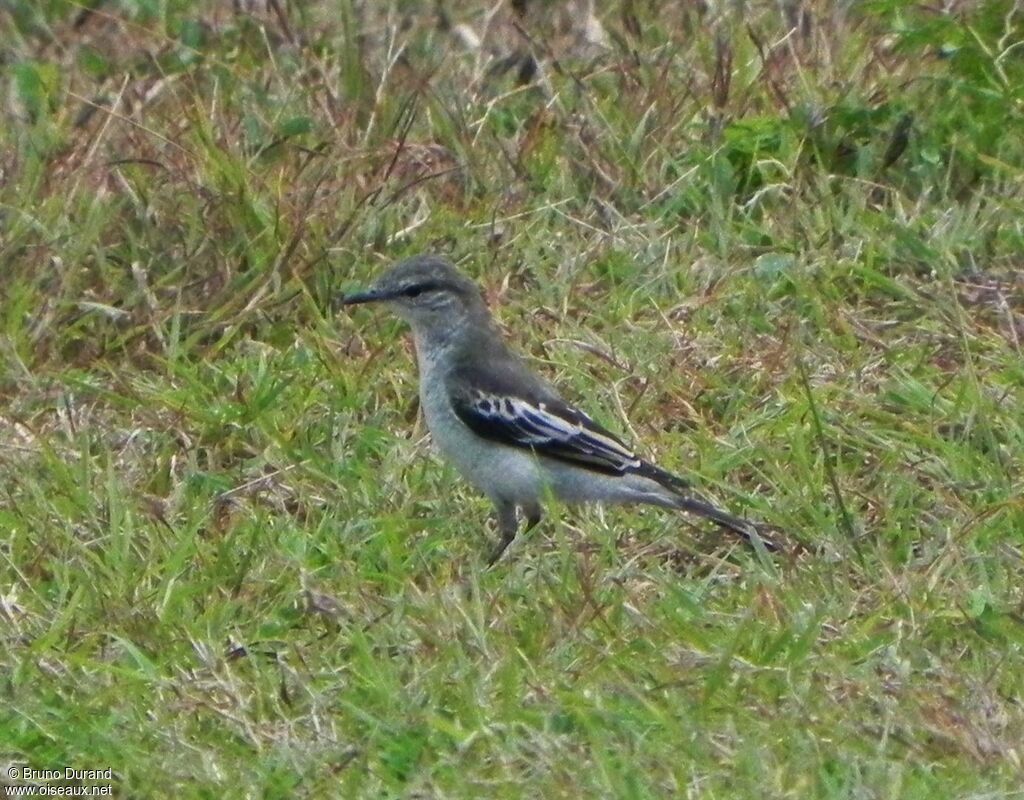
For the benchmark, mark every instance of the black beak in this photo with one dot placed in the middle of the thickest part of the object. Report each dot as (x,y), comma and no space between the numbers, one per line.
(369,296)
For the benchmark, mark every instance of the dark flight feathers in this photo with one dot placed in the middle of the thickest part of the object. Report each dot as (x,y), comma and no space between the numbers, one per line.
(510,405)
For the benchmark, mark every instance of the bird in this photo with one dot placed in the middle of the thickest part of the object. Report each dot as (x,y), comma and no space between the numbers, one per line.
(506,429)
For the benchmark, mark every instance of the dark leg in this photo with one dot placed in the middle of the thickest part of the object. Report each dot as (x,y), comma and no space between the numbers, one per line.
(507,525)
(533,515)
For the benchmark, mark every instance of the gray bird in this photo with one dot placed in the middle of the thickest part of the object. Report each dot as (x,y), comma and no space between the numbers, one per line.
(507,430)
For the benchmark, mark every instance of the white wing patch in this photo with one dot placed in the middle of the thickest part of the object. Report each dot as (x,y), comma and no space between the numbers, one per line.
(565,432)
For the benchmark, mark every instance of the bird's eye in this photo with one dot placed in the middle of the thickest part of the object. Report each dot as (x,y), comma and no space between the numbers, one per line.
(413,291)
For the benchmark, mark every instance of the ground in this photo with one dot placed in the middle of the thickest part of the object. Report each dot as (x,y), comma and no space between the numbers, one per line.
(777,246)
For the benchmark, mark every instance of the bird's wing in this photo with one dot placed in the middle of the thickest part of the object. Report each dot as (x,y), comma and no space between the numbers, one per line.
(516,409)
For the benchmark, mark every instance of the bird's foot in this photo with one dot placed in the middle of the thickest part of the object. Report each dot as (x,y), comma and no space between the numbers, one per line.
(507,537)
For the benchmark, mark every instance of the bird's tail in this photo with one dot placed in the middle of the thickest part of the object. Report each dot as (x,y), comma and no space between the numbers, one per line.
(738,526)
(685,499)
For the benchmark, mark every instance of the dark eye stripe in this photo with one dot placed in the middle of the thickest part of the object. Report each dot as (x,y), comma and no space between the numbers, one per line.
(416,289)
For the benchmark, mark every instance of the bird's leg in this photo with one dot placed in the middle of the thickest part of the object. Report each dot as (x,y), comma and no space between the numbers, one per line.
(533,516)
(507,526)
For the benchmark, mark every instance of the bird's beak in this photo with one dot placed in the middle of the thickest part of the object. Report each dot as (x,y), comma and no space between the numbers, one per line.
(371,295)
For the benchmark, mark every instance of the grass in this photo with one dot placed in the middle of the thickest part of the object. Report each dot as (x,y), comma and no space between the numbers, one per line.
(785,241)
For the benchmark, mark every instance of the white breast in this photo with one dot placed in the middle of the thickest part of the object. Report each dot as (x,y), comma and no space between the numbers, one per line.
(502,473)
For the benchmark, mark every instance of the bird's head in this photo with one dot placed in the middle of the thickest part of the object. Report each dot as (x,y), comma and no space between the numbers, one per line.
(426,291)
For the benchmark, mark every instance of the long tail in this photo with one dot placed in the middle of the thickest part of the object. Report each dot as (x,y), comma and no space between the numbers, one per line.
(724,518)
(685,499)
